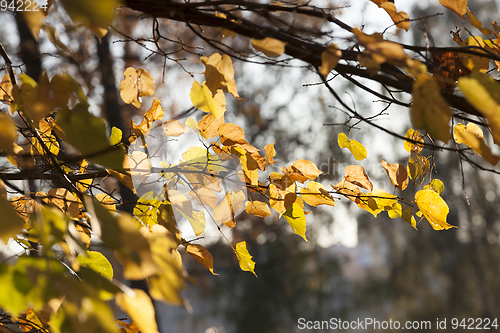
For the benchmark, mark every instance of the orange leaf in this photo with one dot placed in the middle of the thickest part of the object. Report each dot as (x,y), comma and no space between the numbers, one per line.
(231,134)
(356,174)
(316,194)
(270,153)
(397,173)
(209,126)
(302,170)
(258,208)
(201,255)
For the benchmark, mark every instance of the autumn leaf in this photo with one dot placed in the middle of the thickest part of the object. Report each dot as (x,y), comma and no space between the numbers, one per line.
(258,208)
(135,84)
(209,126)
(295,216)
(282,192)
(270,153)
(6,89)
(476,23)
(459,7)
(232,204)
(429,110)
(138,305)
(472,136)
(8,134)
(357,175)
(356,148)
(202,99)
(269,46)
(94,14)
(349,190)
(435,185)
(401,19)
(64,200)
(434,209)
(201,254)
(397,173)
(414,136)
(153,114)
(377,201)
(244,258)
(97,262)
(329,59)
(472,61)
(10,222)
(87,133)
(219,73)
(481,90)
(315,194)
(418,167)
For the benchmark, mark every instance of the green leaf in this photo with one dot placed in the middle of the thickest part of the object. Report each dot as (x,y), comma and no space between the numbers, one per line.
(97,262)
(87,133)
(296,217)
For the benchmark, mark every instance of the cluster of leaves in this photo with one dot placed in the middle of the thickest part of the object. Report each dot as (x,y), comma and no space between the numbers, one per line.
(66,285)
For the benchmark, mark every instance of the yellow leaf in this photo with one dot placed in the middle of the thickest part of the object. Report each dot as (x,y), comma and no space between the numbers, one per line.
(472,136)
(435,185)
(94,14)
(302,170)
(377,201)
(356,148)
(182,204)
(270,153)
(201,255)
(269,46)
(209,126)
(357,175)
(107,201)
(244,258)
(429,110)
(459,7)
(414,136)
(135,84)
(97,262)
(202,99)
(401,18)
(434,209)
(6,89)
(220,73)
(295,216)
(315,194)
(139,307)
(258,208)
(329,59)
(204,196)
(481,91)
(471,61)
(418,167)
(10,222)
(476,23)
(397,173)
(191,123)
(8,132)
